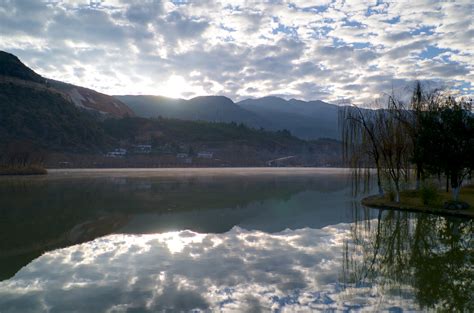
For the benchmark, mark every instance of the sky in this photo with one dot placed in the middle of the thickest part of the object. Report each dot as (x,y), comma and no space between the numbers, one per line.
(337,51)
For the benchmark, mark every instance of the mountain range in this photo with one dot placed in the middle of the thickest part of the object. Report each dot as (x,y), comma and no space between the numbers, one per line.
(76,123)
(304,119)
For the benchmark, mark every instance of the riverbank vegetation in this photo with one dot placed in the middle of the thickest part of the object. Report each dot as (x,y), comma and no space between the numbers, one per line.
(21,158)
(427,200)
(430,137)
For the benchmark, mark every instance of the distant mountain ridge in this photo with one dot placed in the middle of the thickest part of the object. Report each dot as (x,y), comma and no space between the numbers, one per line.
(307,120)
(76,126)
(206,108)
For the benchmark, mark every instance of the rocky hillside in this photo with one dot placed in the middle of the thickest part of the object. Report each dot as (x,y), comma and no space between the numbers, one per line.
(92,100)
(13,71)
(34,112)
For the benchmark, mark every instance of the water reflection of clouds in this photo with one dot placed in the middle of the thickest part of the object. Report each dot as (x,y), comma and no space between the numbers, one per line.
(240,270)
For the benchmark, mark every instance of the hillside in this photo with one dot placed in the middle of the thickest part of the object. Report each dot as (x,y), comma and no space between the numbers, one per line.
(92,100)
(33,112)
(230,144)
(46,119)
(307,120)
(15,72)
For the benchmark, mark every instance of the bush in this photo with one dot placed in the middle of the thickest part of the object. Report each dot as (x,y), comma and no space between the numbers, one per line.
(29,169)
(429,193)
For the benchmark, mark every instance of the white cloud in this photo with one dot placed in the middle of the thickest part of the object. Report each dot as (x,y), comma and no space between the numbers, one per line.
(241,48)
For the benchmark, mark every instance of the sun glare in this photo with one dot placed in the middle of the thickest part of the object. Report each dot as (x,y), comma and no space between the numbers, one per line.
(174,87)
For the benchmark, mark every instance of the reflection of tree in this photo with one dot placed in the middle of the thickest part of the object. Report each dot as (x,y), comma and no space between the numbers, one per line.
(400,251)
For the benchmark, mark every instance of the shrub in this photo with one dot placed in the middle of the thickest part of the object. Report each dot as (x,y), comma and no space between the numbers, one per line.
(429,193)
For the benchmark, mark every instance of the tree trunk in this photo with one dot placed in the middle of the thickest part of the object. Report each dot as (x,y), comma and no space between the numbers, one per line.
(418,177)
(397,196)
(447,183)
(455,193)
(455,186)
(379,183)
(397,192)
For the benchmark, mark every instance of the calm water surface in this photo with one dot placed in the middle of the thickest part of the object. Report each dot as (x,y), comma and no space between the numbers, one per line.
(243,240)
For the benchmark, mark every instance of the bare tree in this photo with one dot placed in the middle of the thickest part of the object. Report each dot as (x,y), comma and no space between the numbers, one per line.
(360,142)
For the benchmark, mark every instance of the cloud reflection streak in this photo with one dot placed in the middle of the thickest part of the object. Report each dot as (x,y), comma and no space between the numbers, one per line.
(241,270)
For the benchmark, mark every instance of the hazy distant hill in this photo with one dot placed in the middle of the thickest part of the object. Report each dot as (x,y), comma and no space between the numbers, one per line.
(307,120)
(208,108)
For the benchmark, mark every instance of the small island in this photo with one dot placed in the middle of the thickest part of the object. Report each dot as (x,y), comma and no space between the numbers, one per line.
(416,201)
(421,149)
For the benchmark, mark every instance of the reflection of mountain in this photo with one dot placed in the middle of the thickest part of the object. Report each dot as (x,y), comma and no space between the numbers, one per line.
(60,212)
(431,255)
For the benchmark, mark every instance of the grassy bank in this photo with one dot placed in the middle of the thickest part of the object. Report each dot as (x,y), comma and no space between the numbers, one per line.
(31,169)
(412,201)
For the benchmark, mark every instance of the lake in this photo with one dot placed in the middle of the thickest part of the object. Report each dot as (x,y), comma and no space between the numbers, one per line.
(232,240)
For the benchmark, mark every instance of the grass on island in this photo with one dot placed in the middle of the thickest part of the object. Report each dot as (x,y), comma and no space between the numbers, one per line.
(30,169)
(412,200)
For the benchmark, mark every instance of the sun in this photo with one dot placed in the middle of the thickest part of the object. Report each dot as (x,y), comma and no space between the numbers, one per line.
(174,87)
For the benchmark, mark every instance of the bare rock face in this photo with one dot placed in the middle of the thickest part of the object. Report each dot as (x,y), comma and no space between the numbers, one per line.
(93,100)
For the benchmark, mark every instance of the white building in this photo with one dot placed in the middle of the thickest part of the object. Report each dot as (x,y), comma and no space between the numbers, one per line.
(143,148)
(117,153)
(205,155)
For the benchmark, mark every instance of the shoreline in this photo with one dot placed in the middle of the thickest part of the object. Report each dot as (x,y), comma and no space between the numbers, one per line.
(378,202)
(180,172)
(26,170)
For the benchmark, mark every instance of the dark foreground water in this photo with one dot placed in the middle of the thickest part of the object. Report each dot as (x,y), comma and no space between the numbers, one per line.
(232,240)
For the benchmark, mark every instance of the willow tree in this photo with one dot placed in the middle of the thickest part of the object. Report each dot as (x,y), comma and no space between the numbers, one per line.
(360,143)
(396,147)
(376,138)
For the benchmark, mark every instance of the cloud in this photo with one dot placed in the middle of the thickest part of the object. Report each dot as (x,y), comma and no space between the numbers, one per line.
(181,271)
(242,49)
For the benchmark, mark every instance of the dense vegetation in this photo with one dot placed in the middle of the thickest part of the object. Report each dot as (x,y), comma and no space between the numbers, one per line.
(173,130)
